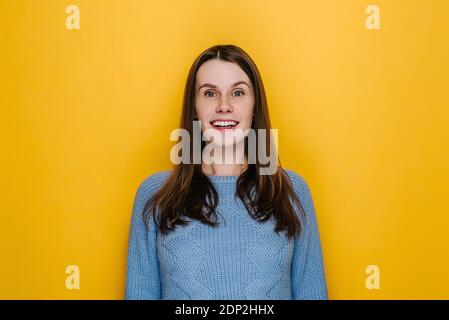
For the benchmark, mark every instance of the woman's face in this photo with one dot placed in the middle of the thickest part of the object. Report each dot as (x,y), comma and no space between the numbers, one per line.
(224,98)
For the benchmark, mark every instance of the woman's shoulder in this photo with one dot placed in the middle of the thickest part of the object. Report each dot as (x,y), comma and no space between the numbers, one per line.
(297,179)
(153,181)
(301,187)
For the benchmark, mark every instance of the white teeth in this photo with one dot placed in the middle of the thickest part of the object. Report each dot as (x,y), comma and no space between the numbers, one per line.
(224,123)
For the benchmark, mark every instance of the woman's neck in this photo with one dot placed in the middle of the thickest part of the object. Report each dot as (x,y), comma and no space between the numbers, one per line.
(224,169)
(232,163)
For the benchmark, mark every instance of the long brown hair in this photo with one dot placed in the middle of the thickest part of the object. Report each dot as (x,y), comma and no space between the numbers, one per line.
(188,192)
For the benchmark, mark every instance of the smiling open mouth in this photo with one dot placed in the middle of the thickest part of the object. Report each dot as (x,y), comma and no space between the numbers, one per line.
(224,124)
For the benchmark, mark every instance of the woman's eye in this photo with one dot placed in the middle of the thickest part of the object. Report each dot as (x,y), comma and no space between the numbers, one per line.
(211,93)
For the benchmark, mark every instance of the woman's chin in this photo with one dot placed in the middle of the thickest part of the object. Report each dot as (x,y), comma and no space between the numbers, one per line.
(227,144)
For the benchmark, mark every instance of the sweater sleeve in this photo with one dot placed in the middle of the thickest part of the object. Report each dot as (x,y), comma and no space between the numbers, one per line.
(142,268)
(308,273)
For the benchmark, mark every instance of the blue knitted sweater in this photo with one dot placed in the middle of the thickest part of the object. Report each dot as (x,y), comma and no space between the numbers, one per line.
(240,259)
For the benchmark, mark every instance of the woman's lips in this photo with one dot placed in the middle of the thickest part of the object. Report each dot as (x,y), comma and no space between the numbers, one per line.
(224,124)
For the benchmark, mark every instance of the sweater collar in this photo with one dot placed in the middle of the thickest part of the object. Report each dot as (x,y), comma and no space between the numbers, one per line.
(222,179)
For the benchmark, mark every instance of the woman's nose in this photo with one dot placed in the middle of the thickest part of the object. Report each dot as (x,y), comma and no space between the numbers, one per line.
(224,105)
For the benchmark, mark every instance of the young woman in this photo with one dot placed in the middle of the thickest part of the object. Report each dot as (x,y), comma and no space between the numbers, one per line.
(224,229)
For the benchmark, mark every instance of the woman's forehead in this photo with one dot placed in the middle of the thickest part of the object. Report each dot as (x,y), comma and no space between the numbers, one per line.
(220,74)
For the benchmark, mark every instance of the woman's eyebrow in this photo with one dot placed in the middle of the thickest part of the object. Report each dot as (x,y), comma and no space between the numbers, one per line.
(214,86)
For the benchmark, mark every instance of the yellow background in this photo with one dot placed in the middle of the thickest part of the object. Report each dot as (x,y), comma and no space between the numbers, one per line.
(362,116)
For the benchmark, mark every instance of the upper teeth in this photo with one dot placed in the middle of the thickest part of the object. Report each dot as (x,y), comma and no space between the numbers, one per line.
(224,123)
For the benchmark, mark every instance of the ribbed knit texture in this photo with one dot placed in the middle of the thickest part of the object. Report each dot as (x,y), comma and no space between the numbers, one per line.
(239,259)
